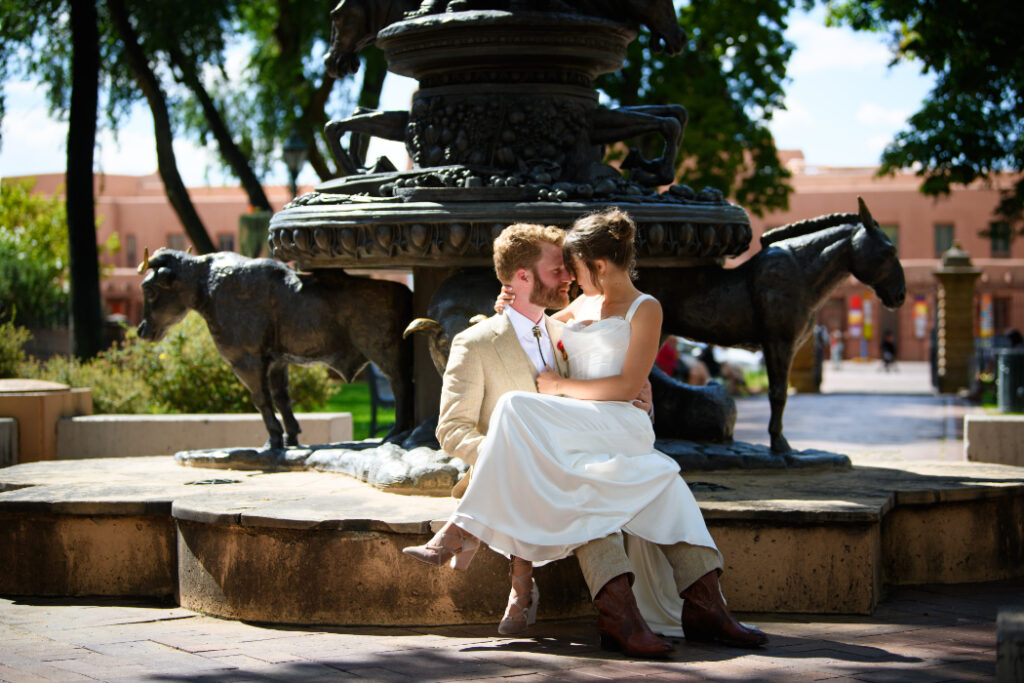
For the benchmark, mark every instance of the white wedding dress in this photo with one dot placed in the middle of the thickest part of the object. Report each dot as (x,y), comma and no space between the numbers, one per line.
(555,473)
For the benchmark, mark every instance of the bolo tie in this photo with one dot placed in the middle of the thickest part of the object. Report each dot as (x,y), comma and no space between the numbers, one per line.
(540,349)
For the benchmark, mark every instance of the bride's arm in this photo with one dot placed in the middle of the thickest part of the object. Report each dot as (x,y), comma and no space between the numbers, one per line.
(569,312)
(505,298)
(643,347)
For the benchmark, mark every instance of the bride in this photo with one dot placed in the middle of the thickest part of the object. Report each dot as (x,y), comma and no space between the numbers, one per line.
(576,461)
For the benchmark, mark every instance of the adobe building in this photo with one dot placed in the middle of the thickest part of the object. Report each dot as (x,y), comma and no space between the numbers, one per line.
(922,228)
(136,208)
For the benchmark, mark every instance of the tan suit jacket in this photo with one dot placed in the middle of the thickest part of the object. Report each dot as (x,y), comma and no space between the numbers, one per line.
(485,362)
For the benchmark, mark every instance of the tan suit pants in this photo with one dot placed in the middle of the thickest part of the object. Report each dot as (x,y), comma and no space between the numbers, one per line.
(605,558)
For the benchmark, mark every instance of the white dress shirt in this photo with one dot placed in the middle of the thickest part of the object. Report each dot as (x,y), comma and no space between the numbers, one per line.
(524,332)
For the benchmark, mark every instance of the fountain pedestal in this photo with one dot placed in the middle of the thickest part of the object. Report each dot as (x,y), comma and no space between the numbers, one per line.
(506,127)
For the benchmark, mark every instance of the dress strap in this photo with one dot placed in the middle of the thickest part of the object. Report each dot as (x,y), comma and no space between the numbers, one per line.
(636,304)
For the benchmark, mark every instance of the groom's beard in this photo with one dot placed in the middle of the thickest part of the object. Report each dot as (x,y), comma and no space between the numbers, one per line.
(548,297)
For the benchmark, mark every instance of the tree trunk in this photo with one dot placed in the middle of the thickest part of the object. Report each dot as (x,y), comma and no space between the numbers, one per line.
(166,163)
(83,259)
(234,157)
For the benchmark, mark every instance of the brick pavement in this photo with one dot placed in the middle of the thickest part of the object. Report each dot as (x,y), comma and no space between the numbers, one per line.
(933,633)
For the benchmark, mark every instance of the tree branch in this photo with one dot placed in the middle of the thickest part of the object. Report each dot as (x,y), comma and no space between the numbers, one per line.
(166,162)
(229,151)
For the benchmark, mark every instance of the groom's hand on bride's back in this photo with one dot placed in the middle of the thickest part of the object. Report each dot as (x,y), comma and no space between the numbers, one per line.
(645,400)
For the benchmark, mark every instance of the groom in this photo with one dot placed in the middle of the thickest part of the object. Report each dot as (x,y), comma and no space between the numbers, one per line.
(505,353)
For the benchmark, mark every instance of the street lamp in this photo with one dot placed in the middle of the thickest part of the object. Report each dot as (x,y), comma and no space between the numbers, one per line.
(294,152)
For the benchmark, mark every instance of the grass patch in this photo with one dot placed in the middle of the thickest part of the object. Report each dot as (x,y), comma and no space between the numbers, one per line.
(757,381)
(355,398)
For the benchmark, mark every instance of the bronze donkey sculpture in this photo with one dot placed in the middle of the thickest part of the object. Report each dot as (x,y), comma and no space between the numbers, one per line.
(772,300)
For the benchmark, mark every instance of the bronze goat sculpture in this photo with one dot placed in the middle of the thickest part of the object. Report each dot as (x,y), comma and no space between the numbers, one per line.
(263,315)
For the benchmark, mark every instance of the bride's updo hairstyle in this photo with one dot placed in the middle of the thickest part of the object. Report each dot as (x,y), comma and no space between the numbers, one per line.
(608,235)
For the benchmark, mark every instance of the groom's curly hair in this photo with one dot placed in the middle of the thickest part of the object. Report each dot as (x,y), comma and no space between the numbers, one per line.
(519,246)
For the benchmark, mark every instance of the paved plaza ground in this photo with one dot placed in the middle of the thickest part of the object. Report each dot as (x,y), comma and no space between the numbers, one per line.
(921,634)
(867,414)
(931,633)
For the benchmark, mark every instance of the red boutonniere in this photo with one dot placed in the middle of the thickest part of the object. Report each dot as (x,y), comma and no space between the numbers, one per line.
(561,347)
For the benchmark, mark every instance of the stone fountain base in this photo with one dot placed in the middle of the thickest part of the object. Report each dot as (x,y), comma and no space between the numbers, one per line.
(309,547)
(426,471)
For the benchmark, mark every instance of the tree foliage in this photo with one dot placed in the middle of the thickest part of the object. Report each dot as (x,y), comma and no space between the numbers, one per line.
(34,272)
(175,57)
(971,127)
(730,77)
(33,257)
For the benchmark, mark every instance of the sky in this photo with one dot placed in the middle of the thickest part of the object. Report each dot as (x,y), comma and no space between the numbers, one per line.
(843,104)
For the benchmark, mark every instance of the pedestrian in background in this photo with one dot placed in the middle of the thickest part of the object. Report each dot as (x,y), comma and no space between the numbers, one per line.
(888,351)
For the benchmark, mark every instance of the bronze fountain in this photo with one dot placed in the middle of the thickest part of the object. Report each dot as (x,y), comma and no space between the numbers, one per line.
(506,127)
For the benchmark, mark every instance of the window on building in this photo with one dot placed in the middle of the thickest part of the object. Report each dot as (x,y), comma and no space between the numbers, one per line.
(892,231)
(943,238)
(999,235)
(176,242)
(131,255)
(225,242)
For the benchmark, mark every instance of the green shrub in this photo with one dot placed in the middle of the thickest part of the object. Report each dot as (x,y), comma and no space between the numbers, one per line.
(187,374)
(757,381)
(33,256)
(115,389)
(34,271)
(182,373)
(12,338)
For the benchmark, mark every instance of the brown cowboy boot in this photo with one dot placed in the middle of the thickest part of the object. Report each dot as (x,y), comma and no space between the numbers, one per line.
(706,618)
(620,624)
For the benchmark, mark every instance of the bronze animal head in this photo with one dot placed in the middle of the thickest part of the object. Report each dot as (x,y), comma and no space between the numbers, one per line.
(874,261)
(660,17)
(166,298)
(350,33)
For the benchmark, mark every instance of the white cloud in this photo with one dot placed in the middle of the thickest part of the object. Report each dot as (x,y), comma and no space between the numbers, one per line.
(794,117)
(875,144)
(821,48)
(870,114)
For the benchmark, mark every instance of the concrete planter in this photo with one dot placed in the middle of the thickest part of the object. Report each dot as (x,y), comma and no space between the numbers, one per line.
(115,436)
(997,439)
